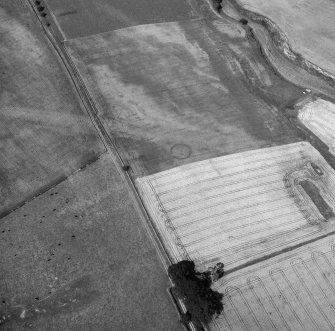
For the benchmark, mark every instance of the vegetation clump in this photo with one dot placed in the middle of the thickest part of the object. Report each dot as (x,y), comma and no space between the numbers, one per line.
(194,289)
(217,5)
(244,21)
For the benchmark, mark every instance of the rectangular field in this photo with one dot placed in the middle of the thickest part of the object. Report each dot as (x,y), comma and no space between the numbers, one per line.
(45,133)
(174,93)
(79,18)
(241,207)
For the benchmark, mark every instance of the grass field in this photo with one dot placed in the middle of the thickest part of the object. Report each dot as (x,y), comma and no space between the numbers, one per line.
(238,208)
(175,93)
(319,117)
(45,134)
(80,254)
(309,26)
(82,18)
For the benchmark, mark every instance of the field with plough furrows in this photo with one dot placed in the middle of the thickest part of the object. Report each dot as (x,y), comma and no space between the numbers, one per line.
(240,207)
(294,291)
(319,117)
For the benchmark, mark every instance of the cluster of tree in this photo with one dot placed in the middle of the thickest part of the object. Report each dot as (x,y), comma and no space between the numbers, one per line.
(194,288)
(41,9)
(217,4)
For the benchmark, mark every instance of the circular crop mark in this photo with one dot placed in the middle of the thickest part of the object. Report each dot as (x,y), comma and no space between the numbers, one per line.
(181,151)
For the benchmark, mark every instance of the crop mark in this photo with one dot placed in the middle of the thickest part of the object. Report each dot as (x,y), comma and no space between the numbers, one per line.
(67,13)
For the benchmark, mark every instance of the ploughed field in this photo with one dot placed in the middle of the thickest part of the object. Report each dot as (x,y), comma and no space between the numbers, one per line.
(308,25)
(45,134)
(79,18)
(293,291)
(242,207)
(174,93)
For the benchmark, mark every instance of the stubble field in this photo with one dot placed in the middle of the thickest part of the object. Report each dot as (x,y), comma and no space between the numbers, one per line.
(238,208)
(293,291)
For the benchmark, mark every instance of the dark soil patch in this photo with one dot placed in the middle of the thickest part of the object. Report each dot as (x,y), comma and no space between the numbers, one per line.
(314,193)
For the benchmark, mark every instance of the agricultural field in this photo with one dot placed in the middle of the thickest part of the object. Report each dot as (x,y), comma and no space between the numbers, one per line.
(294,291)
(79,258)
(242,207)
(308,25)
(319,117)
(175,93)
(82,18)
(278,56)
(45,132)
(208,116)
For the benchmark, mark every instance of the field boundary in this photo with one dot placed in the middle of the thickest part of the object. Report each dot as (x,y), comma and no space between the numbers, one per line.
(48,187)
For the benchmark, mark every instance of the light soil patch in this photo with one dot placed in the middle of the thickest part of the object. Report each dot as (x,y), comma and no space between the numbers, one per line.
(294,291)
(239,208)
(45,132)
(319,117)
(309,26)
(80,18)
(79,258)
(174,93)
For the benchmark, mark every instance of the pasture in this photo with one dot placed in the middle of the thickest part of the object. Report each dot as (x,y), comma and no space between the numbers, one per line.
(45,133)
(175,93)
(241,207)
(308,25)
(79,258)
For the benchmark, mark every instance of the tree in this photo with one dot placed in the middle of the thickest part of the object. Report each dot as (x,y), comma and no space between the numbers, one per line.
(217,5)
(194,288)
